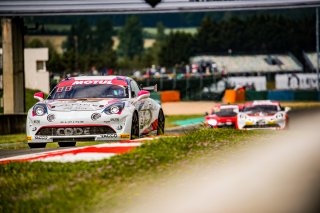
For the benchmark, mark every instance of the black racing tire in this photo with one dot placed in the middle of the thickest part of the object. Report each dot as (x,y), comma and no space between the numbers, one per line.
(67,144)
(135,126)
(161,123)
(37,145)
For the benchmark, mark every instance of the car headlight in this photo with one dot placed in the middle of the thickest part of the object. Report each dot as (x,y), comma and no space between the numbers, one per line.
(39,109)
(212,122)
(114,108)
(280,115)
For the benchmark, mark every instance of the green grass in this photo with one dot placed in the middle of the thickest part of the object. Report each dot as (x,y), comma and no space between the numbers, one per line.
(84,186)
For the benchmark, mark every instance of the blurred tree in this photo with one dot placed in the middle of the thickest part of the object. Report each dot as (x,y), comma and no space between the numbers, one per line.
(207,38)
(177,48)
(131,39)
(35,43)
(105,56)
(83,33)
(70,51)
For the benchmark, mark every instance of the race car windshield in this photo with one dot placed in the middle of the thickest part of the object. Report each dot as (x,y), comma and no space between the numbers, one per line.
(226,113)
(261,108)
(89,91)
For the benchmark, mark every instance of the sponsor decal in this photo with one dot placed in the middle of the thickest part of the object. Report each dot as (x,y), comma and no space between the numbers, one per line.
(92,82)
(124,135)
(72,122)
(41,137)
(73,131)
(109,136)
(114,119)
(29,138)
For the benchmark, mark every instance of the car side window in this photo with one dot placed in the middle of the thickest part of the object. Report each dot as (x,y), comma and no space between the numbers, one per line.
(134,89)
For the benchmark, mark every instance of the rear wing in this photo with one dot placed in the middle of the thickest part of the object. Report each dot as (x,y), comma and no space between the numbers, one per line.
(151,88)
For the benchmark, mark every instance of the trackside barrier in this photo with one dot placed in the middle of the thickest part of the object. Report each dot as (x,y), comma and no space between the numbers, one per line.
(306,96)
(14,123)
(170,96)
(230,96)
(254,95)
(240,95)
(281,95)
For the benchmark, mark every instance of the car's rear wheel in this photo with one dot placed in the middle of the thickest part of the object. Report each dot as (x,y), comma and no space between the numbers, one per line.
(161,122)
(67,144)
(37,145)
(135,126)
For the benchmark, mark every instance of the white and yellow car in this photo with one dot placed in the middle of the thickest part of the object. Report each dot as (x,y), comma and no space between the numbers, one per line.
(263,115)
(93,108)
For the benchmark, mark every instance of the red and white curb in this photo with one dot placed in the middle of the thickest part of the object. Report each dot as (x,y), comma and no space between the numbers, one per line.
(86,153)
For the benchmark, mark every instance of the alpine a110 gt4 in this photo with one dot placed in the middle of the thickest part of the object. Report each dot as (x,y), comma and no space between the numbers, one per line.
(93,108)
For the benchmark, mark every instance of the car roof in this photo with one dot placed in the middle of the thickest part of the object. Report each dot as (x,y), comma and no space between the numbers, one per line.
(87,80)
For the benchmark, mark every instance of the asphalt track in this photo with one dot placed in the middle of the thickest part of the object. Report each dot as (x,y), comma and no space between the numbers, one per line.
(5,153)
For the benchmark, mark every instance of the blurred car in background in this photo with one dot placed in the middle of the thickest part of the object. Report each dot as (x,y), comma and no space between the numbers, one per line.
(263,115)
(223,116)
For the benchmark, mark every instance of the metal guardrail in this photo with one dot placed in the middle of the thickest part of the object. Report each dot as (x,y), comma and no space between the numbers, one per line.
(87,7)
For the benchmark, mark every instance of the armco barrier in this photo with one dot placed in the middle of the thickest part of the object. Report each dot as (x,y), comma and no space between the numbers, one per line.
(281,95)
(13,123)
(170,96)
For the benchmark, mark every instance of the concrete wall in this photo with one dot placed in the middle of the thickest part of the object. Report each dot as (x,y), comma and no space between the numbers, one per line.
(12,123)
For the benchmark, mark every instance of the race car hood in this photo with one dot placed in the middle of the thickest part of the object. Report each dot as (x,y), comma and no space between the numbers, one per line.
(79,104)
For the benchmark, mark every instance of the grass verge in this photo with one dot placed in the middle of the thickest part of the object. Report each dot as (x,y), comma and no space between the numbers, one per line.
(79,187)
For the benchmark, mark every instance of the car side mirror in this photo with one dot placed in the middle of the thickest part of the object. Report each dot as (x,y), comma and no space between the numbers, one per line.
(39,96)
(143,94)
(287,109)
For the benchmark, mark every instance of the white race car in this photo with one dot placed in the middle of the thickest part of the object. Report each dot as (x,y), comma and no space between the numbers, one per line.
(93,108)
(263,115)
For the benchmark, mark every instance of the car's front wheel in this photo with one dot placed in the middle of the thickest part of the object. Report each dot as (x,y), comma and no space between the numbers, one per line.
(67,144)
(37,145)
(135,126)
(161,123)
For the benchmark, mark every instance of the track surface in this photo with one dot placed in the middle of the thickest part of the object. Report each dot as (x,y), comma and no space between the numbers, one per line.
(294,115)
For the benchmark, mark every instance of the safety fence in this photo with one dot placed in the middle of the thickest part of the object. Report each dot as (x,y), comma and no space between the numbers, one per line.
(190,88)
